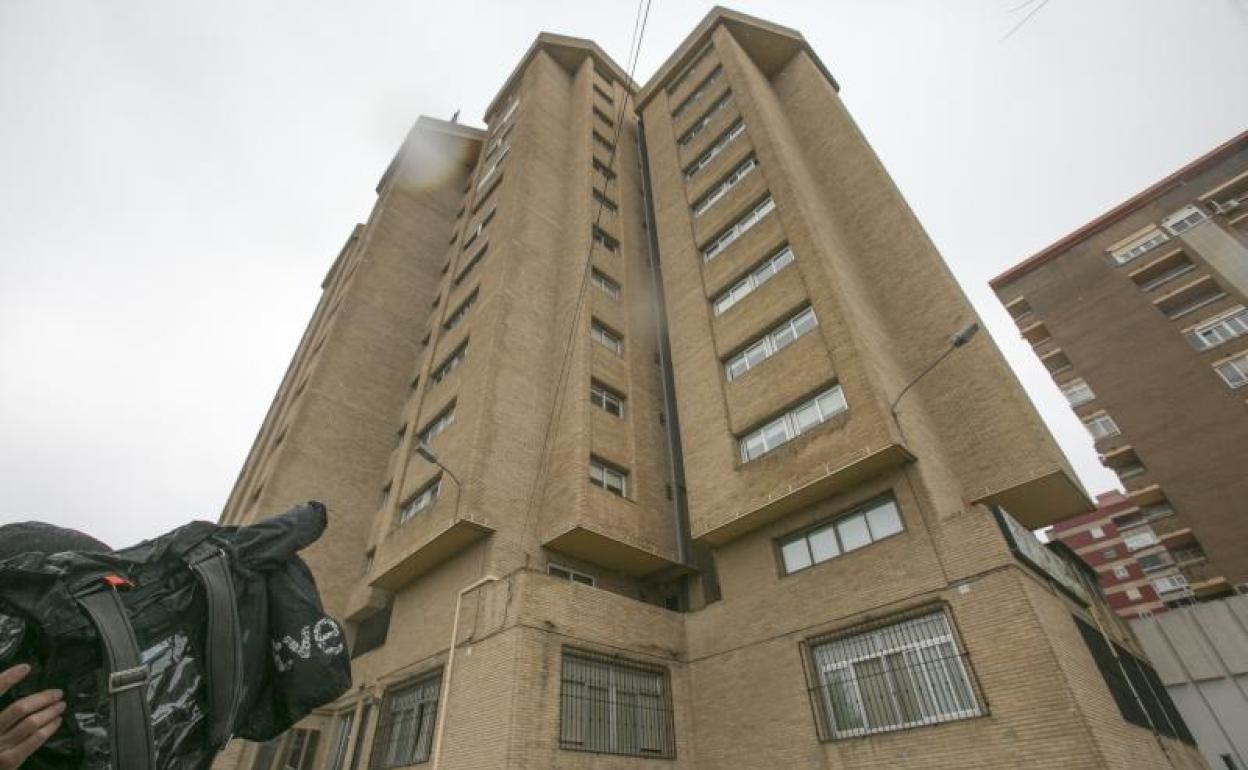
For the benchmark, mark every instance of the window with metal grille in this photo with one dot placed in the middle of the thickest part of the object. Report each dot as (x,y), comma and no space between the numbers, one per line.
(405,730)
(567,573)
(698,93)
(1138,247)
(1101,426)
(342,740)
(461,312)
(1078,392)
(610,706)
(302,750)
(357,754)
(904,674)
(607,241)
(702,122)
(721,142)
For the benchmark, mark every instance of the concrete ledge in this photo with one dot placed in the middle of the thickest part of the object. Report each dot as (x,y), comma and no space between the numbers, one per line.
(1039,501)
(581,542)
(433,550)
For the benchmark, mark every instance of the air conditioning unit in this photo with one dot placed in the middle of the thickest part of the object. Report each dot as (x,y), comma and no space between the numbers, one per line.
(1183,220)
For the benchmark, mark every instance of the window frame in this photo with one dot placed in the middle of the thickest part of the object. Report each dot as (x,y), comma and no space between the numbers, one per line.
(738,228)
(425,717)
(1238,366)
(423,499)
(724,186)
(605,470)
(606,337)
(832,525)
(605,283)
(571,575)
(770,343)
(754,280)
(792,426)
(602,396)
(652,726)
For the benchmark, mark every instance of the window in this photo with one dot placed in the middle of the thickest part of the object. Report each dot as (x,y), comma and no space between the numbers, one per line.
(720,144)
(358,753)
(1189,553)
(702,122)
(1234,371)
(605,283)
(703,204)
(607,338)
(342,740)
(875,521)
(698,92)
(493,169)
(497,142)
(1170,584)
(1101,426)
(1183,220)
(689,70)
(451,363)
(608,242)
(479,227)
(423,499)
(440,423)
(1109,553)
(1221,328)
(266,753)
(609,706)
(1130,471)
(793,423)
(611,479)
(604,117)
(1140,539)
(606,399)
(460,312)
(302,750)
(601,92)
(1151,562)
(737,229)
(605,203)
(1139,246)
(472,264)
(903,675)
(757,277)
(603,169)
(511,110)
(1134,594)
(405,730)
(1122,573)
(603,141)
(1097,533)
(370,633)
(1077,392)
(771,343)
(568,573)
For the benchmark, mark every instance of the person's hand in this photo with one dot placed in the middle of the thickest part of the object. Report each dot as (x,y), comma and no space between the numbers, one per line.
(27,722)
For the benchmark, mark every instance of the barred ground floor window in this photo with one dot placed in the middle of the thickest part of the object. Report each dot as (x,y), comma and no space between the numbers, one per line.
(890,677)
(610,706)
(405,728)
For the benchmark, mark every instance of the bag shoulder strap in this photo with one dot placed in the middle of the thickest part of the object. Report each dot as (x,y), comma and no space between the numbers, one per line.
(223,641)
(127,676)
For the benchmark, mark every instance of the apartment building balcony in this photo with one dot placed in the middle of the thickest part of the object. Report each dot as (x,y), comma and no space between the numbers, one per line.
(1162,270)
(606,531)
(1189,297)
(430,538)
(1036,333)
(1056,361)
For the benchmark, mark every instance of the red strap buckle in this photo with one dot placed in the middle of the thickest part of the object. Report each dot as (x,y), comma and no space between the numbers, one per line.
(116,581)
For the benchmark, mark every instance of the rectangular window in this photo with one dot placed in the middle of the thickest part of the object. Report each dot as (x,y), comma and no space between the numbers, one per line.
(607,338)
(1122,573)
(511,110)
(472,264)
(567,573)
(604,169)
(1139,247)
(605,283)
(874,521)
(608,242)
(737,229)
(602,92)
(902,675)
(301,752)
(1151,562)
(1224,327)
(422,500)
(1078,392)
(771,343)
(793,423)
(493,169)
(1101,426)
(440,423)
(716,193)
(606,203)
(405,729)
(1097,533)
(1140,539)
(606,399)
(1170,584)
(342,741)
(687,138)
(609,478)
(610,706)
(451,363)
(1234,371)
(604,117)
(720,144)
(459,313)
(756,278)
(689,70)
(698,93)
(603,141)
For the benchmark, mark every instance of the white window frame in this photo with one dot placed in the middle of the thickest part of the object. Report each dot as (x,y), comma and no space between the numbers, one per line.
(605,283)
(1096,532)
(936,677)
(422,500)
(1078,392)
(607,338)
(608,477)
(1102,426)
(753,281)
(460,313)
(1138,247)
(488,175)
(1140,539)
(771,343)
(1184,219)
(802,418)
(704,160)
(1170,584)
(1219,329)
(1234,370)
(606,399)
(698,92)
(571,575)
(444,420)
(450,364)
(1121,572)
(687,137)
(878,519)
(1133,594)
(717,193)
(738,228)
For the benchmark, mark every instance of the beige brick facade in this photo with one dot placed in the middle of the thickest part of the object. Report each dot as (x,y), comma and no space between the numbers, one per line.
(690,593)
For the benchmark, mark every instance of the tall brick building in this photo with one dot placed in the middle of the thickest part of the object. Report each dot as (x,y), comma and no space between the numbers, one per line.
(1141,316)
(607,403)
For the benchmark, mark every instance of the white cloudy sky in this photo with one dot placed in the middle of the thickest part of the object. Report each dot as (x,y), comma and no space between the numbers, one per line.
(177,175)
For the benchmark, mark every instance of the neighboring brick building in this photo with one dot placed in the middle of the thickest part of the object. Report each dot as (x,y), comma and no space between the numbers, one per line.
(1141,316)
(792,569)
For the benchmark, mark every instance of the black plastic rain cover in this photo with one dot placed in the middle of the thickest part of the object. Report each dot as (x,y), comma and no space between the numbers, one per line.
(294,656)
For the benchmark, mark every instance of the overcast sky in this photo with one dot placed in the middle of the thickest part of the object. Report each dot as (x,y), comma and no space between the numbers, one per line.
(176,177)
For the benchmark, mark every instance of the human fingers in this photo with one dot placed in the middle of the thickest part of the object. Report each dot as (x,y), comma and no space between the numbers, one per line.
(24,707)
(11,759)
(11,676)
(23,729)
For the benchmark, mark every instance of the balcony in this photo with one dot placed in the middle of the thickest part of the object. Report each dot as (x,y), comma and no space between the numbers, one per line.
(1056,361)
(582,540)
(426,541)
(1162,270)
(1038,501)
(1036,333)
(1189,297)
